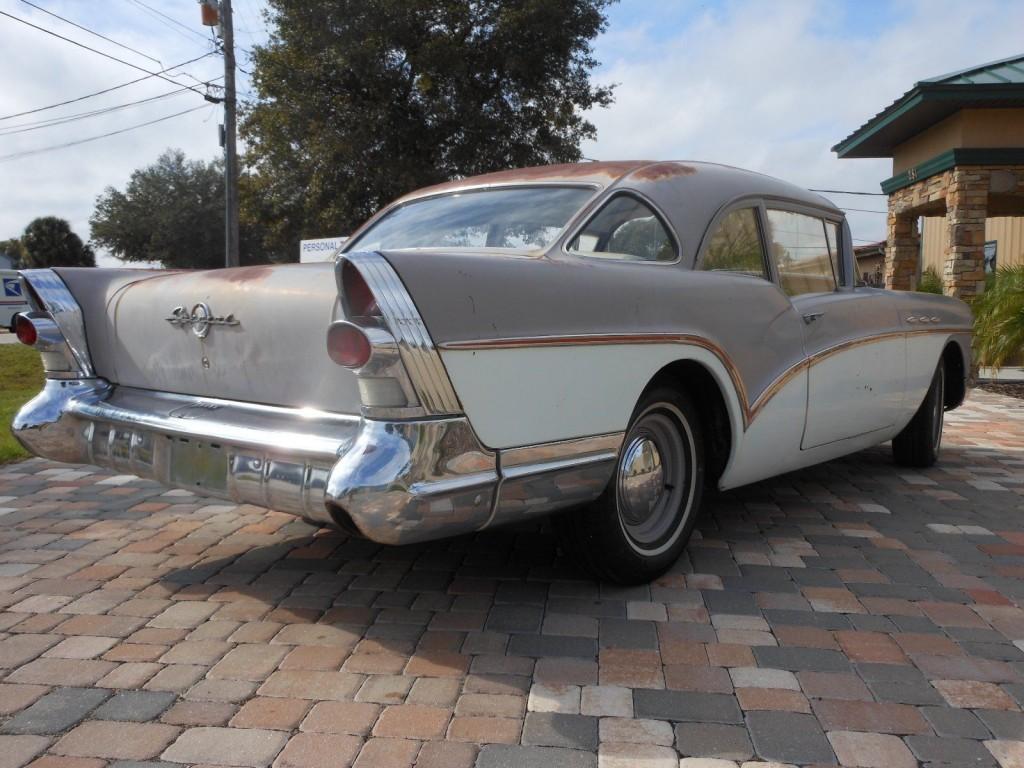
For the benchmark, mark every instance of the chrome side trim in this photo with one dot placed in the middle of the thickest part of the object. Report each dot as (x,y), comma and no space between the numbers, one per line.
(538,479)
(418,352)
(65,312)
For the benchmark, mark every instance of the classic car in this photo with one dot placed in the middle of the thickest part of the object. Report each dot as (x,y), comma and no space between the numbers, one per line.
(601,340)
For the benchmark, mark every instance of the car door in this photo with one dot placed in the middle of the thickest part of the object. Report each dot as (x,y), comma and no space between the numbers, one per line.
(855,349)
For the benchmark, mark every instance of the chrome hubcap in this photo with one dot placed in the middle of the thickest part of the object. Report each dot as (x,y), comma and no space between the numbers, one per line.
(641,480)
(654,479)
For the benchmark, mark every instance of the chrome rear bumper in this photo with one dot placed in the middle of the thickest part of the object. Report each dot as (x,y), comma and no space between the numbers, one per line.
(397,482)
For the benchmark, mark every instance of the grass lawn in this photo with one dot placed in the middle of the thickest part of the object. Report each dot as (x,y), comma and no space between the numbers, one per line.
(21,378)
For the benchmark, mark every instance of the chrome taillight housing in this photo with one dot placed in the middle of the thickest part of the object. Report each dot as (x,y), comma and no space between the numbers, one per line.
(400,373)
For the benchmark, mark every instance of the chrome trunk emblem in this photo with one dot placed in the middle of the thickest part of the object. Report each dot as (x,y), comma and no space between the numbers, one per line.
(201,319)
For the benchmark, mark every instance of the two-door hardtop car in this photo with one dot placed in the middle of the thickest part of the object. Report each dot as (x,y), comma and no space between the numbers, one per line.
(600,340)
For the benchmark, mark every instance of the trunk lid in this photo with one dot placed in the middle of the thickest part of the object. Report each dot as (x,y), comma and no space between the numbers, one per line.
(266,343)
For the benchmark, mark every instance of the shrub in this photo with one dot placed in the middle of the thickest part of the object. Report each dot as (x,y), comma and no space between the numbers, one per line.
(999,318)
(931,281)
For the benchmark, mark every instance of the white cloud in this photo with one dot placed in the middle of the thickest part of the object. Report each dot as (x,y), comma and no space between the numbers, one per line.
(772,86)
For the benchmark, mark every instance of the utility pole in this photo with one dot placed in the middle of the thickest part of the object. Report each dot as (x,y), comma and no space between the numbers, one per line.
(230,147)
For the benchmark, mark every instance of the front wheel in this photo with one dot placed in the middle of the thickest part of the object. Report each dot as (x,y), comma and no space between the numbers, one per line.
(919,442)
(640,524)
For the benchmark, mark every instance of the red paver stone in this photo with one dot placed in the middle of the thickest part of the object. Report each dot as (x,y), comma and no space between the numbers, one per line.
(270,712)
(446,754)
(412,721)
(879,717)
(15,751)
(387,753)
(971,694)
(774,699)
(341,717)
(319,750)
(485,730)
(870,647)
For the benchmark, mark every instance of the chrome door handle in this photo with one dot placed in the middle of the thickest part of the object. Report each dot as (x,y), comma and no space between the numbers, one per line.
(811,317)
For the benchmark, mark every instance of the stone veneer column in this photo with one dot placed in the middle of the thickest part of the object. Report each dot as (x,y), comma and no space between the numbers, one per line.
(902,250)
(966,209)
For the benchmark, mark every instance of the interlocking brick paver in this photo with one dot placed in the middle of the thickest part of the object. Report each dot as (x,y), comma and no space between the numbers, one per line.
(851,612)
(118,741)
(250,747)
(871,750)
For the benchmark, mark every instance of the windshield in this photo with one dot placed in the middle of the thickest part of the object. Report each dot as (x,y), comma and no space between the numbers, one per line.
(510,217)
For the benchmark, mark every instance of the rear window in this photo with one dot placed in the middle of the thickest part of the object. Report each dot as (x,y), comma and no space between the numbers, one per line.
(526,218)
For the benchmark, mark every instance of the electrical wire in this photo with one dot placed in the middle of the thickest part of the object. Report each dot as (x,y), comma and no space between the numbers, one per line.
(105,90)
(43,150)
(91,32)
(864,210)
(94,50)
(65,119)
(168,18)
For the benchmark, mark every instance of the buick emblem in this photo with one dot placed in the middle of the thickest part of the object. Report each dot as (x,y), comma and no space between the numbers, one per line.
(201,319)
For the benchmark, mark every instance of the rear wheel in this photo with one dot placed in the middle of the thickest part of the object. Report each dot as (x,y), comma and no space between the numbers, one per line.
(639,526)
(919,443)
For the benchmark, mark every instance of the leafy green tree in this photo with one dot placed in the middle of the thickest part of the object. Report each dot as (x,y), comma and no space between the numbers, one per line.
(172,212)
(999,318)
(14,249)
(360,101)
(49,242)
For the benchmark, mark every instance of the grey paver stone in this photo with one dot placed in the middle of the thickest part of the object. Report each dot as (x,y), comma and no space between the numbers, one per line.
(949,751)
(57,711)
(512,756)
(789,738)
(686,705)
(726,742)
(137,706)
(554,729)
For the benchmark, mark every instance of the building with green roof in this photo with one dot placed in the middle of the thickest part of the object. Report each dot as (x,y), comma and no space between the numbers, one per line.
(957,148)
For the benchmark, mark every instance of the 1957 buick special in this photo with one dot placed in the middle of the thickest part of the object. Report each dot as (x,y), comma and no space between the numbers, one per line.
(601,340)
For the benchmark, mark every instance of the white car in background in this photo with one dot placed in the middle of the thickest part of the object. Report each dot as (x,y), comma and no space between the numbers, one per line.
(12,298)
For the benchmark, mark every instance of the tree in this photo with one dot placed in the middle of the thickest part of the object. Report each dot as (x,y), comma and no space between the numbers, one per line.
(171,211)
(360,101)
(14,249)
(49,242)
(999,318)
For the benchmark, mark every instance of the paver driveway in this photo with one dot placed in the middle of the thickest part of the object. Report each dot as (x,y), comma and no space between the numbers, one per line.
(853,613)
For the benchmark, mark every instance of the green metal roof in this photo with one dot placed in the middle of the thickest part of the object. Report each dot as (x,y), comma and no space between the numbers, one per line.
(996,84)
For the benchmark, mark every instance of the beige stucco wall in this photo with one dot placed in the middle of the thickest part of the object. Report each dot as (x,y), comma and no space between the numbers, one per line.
(985,128)
(1007,231)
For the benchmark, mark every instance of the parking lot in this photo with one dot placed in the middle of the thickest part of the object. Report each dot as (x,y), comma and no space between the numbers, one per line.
(853,613)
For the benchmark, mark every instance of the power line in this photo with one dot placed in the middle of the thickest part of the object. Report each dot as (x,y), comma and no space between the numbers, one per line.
(172,20)
(91,32)
(101,53)
(847,192)
(864,210)
(63,120)
(42,150)
(105,90)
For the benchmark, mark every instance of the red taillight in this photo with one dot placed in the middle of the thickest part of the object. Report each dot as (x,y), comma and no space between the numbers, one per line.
(348,345)
(359,299)
(25,331)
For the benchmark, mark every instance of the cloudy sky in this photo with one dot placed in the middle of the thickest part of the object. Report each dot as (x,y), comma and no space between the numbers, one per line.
(763,84)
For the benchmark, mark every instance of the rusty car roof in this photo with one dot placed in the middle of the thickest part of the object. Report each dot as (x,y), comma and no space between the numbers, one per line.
(713,178)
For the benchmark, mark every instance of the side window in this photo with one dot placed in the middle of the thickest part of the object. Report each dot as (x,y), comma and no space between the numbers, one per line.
(800,251)
(832,233)
(626,229)
(736,245)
